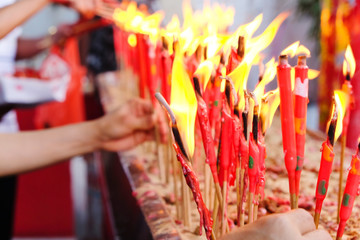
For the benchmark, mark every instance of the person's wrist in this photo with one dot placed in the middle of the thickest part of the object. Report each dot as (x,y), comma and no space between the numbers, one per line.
(97,133)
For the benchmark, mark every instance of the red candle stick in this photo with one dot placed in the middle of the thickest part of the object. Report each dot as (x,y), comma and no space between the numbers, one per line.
(166,63)
(236,56)
(301,101)
(327,158)
(254,155)
(260,186)
(244,159)
(287,123)
(225,151)
(191,179)
(143,63)
(208,142)
(350,193)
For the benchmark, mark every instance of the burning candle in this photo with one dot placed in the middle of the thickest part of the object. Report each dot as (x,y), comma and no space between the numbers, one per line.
(350,193)
(287,123)
(208,142)
(301,100)
(327,156)
(191,179)
(349,66)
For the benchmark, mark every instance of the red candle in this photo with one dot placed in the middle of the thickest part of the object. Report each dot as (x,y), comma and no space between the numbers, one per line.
(327,158)
(350,193)
(253,165)
(208,142)
(287,122)
(193,183)
(143,63)
(301,101)
(226,141)
(166,64)
(262,157)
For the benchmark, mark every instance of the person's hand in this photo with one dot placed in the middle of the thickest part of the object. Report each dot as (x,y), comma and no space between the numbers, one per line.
(60,34)
(128,126)
(295,225)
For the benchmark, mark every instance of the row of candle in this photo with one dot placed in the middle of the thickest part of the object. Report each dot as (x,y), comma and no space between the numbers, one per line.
(191,74)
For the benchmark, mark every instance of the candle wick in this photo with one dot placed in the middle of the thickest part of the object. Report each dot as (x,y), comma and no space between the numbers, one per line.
(231,87)
(166,106)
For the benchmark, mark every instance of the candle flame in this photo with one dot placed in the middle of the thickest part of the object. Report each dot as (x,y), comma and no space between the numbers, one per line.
(268,76)
(183,102)
(312,74)
(341,101)
(270,103)
(296,49)
(349,64)
(262,41)
(204,72)
(252,48)
(132,41)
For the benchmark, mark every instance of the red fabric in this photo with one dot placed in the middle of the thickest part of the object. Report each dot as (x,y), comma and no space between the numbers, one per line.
(44,204)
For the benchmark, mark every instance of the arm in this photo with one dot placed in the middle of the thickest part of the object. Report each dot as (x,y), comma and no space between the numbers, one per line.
(15,14)
(28,48)
(122,129)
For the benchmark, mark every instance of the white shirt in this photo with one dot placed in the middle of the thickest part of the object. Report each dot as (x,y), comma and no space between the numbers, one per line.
(8,46)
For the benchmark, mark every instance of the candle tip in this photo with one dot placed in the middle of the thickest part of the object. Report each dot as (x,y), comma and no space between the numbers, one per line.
(302,60)
(283,59)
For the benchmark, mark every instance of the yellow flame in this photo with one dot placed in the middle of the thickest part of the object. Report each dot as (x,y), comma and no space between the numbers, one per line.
(312,74)
(253,46)
(186,38)
(349,62)
(262,41)
(291,49)
(341,101)
(246,30)
(296,49)
(302,50)
(268,108)
(204,72)
(183,102)
(269,75)
(132,40)
(174,25)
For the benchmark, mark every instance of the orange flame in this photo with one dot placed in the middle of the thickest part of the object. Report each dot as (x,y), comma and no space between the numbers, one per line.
(183,102)
(349,64)
(271,101)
